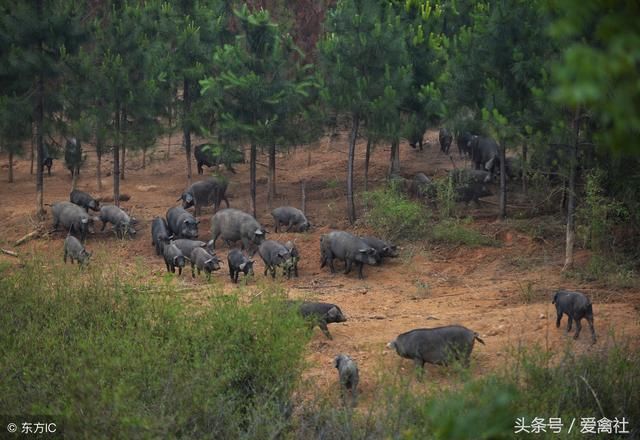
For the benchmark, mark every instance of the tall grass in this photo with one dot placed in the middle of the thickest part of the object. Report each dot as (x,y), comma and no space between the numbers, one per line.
(112,359)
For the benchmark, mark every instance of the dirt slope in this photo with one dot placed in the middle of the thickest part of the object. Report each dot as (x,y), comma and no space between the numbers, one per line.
(503,293)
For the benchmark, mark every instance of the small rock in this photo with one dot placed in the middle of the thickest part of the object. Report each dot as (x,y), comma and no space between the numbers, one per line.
(542,316)
(431,317)
(378,317)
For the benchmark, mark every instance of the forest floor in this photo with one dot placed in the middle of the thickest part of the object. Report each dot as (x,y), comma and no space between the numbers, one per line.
(502,292)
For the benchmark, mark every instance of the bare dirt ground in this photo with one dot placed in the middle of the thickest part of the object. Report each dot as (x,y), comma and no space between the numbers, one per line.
(503,293)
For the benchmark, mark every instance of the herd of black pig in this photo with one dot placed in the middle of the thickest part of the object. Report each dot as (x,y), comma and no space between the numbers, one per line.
(175,239)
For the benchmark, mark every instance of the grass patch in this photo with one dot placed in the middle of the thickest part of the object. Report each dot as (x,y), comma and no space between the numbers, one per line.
(395,216)
(531,384)
(606,270)
(110,358)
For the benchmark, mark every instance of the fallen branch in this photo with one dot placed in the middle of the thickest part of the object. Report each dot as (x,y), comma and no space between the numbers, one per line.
(8,252)
(109,198)
(29,236)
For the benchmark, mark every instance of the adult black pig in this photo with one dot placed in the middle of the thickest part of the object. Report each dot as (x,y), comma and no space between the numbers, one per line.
(84,199)
(121,223)
(292,217)
(576,306)
(72,217)
(233,225)
(181,223)
(437,345)
(347,247)
(321,314)
(383,248)
(205,193)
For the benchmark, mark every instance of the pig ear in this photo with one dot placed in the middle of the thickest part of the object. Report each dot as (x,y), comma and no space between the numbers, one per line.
(84,220)
(197,222)
(185,221)
(175,259)
(364,250)
(336,361)
(210,243)
(259,232)
(208,261)
(187,259)
(242,266)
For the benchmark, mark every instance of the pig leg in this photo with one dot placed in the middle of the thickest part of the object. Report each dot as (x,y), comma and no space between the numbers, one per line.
(325,329)
(578,328)
(104,224)
(193,272)
(330,261)
(347,266)
(65,257)
(559,319)
(231,275)
(168,266)
(289,226)
(179,270)
(360,276)
(593,331)
(570,323)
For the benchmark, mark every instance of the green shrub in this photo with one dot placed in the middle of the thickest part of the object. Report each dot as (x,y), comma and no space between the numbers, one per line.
(446,197)
(598,214)
(602,383)
(113,359)
(394,216)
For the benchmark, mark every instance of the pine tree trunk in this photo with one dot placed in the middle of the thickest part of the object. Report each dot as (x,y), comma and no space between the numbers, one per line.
(272,175)
(394,165)
(524,168)
(571,203)
(351,206)
(186,127)
(367,157)
(40,141)
(170,131)
(252,177)
(123,127)
(123,155)
(99,168)
(303,185)
(10,166)
(116,159)
(503,180)
(32,152)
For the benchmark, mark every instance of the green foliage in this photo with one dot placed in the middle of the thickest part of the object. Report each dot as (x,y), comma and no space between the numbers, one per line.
(598,215)
(106,356)
(257,88)
(598,66)
(395,216)
(446,197)
(601,383)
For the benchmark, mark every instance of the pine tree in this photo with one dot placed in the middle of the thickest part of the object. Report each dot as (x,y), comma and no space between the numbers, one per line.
(363,62)
(36,37)
(255,87)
